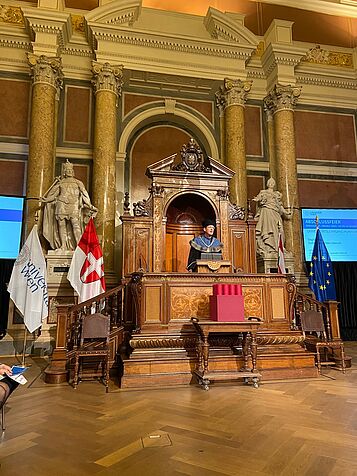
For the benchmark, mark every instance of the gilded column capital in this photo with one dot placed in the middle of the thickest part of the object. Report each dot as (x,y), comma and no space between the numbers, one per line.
(282,98)
(107,78)
(46,70)
(233,92)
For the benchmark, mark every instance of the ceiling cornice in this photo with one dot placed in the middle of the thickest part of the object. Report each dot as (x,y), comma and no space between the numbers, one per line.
(344,9)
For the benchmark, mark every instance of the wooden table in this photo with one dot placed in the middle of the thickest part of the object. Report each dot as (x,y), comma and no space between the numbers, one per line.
(249,348)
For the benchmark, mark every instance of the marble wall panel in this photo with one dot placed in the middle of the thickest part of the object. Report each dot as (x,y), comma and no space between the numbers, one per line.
(153,145)
(14,107)
(206,108)
(327,194)
(131,101)
(77,114)
(12,177)
(254,185)
(325,136)
(253,131)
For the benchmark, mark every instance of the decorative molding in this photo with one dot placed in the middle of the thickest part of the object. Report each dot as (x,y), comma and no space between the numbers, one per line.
(163,42)
(9,14)
(78,23)
(46,70)
(327,82)
(233,92)
(229,27)
(282,98)
(126,13)
(279,339)
(107,78)
(162,342)
(23,44)
(77,51)
(318,55)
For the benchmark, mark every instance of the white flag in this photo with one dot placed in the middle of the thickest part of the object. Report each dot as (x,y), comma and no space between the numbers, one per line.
(28,284)
(281,259)
(86,273)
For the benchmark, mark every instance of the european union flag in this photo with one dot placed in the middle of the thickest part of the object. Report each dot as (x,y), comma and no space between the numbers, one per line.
(321,279)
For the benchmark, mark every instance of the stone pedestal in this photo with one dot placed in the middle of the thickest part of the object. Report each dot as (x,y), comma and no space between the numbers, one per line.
(270,264)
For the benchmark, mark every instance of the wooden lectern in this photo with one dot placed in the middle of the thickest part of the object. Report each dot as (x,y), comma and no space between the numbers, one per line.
(208,266)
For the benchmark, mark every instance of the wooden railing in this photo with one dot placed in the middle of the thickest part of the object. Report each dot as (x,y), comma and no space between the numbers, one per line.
(111,303)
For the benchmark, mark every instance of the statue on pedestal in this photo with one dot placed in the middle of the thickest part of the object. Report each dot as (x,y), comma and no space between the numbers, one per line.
(67,209)
(270,214)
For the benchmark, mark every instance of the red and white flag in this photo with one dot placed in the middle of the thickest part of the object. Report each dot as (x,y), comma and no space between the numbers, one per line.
(281,259)
(86,273)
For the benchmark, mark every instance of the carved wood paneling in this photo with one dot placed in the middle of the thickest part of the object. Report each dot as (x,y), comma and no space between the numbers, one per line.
(190,301)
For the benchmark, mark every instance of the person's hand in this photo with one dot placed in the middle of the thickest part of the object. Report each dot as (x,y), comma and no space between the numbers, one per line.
(5,369)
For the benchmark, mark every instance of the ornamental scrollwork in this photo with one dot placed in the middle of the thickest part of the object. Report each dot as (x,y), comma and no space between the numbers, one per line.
(143,208)
(233,92)
(319,55)
(192,159)
(78,23)
(46,70)
(282,97)
(236,212)
(11,15)
(107,78)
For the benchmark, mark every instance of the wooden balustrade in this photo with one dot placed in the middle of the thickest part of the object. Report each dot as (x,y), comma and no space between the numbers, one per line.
(111,303)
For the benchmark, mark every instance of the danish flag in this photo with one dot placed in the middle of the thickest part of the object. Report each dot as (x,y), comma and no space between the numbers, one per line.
(86,273)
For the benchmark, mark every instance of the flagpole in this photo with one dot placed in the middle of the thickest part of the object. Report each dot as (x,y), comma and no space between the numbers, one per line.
(24,348)
(25,334)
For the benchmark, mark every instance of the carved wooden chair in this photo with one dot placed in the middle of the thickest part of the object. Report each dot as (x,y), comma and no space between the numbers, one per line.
(94,345)
(316,339)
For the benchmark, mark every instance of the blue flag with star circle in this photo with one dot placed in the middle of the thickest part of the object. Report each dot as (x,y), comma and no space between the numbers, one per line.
(321,279)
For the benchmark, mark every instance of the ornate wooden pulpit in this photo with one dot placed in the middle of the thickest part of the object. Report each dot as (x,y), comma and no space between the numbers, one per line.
(162,296)
(183,193)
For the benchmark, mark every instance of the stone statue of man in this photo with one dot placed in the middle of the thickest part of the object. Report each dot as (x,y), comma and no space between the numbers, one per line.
(67,209)
(270,214)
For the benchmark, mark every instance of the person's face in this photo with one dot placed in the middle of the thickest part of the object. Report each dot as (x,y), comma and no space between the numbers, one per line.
(68,172)
(209,230)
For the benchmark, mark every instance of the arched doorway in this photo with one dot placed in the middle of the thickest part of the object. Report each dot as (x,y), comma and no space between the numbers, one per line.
(184,221)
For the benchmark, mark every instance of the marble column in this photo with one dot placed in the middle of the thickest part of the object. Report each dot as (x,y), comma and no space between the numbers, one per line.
(47,81)
(282,100)
(107,82)
(233,95)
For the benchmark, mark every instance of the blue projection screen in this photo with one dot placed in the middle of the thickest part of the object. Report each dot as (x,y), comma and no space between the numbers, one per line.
(338,228)
(10,226)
